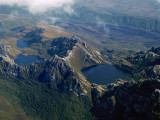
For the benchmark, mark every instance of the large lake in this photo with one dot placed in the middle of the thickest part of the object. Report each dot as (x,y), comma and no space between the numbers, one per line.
(103,74)
(26,60)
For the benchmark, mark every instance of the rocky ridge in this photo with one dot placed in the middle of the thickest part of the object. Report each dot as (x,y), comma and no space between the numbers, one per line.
(60,69)
(137,98)
(140,100)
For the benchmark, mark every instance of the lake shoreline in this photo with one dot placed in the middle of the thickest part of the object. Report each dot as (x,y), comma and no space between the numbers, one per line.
(104,74)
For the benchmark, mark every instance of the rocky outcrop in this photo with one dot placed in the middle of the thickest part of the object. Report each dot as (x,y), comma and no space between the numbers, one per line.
(68,56)
(135,99)
(61,46)
(130,101)
(4,54)
(46,77)
(156,70)
(143,64)
(138,98)
(2,50)
(55,71)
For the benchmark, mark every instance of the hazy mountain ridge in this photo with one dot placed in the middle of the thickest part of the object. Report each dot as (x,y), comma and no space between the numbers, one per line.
(87,11)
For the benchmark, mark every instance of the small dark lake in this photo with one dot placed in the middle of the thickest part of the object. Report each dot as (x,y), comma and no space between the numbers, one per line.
(110,60)
(103,74)
(22,44)
(18,29)
(26,60)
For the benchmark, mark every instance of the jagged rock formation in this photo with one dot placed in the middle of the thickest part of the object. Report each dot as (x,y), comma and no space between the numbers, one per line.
(55,70)
(4,54)
(61,46)
(72,50)
(143,64)
(69,56)
(2,50)
(129,100)
(138,98)
(59,80)
(53,78)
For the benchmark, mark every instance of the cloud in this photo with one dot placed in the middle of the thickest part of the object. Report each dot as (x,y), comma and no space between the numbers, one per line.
(48,21)
(40,6)
(102,25)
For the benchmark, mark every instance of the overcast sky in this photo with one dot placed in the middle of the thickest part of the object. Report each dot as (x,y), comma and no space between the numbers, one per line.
(39,6)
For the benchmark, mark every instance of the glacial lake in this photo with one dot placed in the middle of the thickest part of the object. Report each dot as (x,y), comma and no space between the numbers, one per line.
(22,44)
(26,60)
(103,74)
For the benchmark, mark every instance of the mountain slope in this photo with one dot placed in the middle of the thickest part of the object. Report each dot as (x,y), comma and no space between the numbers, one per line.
(42,90)
(55,88)
(130,100)
(139,96)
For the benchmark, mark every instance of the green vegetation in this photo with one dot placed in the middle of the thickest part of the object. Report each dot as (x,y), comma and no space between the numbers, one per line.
(26,99)
(52,92)
(10,108)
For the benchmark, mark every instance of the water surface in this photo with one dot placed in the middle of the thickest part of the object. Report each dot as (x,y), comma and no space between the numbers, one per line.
(26,60)
(18,29)
(22,44)
(110,60)
(103,74)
